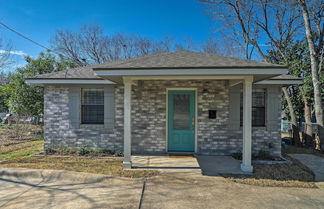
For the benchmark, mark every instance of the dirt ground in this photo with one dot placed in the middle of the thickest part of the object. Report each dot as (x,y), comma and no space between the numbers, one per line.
(16,134)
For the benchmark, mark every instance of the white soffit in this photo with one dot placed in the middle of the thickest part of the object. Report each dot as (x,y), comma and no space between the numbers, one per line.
(67,81)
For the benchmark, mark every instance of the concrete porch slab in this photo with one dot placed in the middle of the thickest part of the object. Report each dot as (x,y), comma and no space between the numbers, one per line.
(183,165)
(215,165)
(205,165)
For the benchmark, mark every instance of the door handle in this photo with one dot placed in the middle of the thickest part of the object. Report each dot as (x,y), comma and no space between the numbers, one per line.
(193,123)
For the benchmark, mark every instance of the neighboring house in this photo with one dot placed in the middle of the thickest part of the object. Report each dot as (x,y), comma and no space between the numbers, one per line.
(179,101)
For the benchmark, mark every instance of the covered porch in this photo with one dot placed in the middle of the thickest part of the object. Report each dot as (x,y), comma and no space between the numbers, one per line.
(196,84)
(131,82)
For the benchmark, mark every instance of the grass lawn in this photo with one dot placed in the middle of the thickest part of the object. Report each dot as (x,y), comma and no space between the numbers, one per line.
(111,167)
(18,151)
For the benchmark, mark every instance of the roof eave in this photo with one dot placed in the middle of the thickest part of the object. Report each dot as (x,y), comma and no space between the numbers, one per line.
(190,71)
(282,82)
(49,81)
(195,67)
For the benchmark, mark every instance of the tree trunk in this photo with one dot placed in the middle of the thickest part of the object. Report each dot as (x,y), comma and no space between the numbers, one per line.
(293,118)
(318,106)
(308,128)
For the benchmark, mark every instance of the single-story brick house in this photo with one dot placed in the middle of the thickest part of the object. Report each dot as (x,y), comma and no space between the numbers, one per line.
(180,101)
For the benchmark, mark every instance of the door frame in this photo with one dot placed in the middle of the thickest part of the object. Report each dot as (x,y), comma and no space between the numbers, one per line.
(167,116)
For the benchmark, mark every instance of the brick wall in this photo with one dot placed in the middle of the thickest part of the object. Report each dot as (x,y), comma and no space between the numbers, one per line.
(149,121)
(59,132)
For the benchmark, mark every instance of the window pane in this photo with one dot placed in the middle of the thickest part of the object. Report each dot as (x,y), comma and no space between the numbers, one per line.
(258,99)
(258,107)
(92,106)
(258,116)
(93,97)
(181,111)
(92,114)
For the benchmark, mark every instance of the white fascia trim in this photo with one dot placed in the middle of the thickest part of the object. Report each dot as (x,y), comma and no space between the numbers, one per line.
(220,71)
(281,82)
(66,81)
(185,77)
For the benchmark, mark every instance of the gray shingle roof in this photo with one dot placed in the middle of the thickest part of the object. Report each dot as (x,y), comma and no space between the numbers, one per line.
(286,77)
(185,59)
(74,73)
(181,59)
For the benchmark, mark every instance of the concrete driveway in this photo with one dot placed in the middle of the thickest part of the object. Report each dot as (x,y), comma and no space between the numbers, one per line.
(26,188)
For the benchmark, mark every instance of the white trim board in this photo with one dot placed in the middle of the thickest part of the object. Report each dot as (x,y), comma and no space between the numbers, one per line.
(281,82)
(219,71)
(67,81)
(186,77)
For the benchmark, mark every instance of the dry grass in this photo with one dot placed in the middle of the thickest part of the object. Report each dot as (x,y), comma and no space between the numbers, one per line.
(20,133)
(282,175)
(18,151)
(111,167)
(285,135)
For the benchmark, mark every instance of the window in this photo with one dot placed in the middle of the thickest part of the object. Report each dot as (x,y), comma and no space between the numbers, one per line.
(92,106)
(258,107)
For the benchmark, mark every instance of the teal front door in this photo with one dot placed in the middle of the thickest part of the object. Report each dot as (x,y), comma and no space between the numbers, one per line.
(181,120)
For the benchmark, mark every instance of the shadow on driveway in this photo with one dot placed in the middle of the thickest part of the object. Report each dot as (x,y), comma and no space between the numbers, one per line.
(49,192)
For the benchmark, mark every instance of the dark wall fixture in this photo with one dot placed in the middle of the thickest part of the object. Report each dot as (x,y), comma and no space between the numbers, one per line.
(205,91)
(212,114)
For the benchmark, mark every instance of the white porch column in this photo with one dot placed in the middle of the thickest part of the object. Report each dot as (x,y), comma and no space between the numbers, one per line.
(127,162)
(246,165)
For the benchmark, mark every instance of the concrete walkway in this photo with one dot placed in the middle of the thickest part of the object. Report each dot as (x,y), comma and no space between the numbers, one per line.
(205,165)
(42,189)
(315,163)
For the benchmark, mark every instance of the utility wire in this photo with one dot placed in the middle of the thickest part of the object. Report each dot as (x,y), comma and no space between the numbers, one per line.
(23,36)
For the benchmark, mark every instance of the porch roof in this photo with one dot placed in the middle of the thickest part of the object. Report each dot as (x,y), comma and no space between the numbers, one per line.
(178,63)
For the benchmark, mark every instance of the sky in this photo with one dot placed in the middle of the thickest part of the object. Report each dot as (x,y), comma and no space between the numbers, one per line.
(39,20)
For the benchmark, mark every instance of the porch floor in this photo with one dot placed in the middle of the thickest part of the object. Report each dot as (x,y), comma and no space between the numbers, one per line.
(202,165)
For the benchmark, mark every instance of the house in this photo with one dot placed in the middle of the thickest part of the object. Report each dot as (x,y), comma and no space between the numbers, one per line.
(180,101)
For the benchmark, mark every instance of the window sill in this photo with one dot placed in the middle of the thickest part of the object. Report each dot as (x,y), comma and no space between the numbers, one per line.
(92,126)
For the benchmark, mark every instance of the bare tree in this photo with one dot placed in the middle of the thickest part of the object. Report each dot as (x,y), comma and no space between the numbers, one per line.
(211,46)
(251,19)
(93,43)
(236,16)
(5,54)
(67,44)
(165,45)
(91,46)
(225,47)
(293,118)
(313,21)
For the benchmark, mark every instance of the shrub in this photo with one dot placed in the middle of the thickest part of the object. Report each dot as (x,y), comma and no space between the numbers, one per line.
(264,155)
(83,151)
(237,155)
